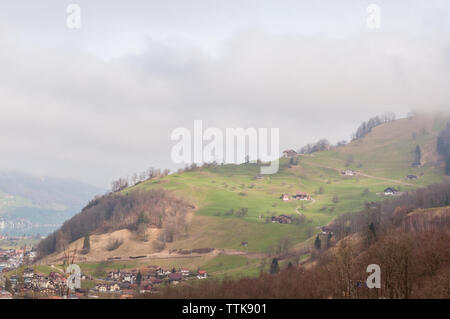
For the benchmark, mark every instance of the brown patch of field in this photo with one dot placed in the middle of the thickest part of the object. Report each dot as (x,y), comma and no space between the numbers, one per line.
(131,246)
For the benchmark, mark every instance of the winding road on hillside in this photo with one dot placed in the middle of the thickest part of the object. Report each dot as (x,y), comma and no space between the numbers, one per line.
(364,175)
(385,179)
(300,213)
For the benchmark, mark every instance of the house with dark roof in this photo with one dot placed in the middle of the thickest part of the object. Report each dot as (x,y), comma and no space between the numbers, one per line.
(326,230)
(282,219)
(301,196)
(390,191)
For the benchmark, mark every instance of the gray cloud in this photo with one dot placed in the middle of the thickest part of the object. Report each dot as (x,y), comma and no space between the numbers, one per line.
(69,108)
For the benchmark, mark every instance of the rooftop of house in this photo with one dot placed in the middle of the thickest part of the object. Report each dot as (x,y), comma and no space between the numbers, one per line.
(289,152)
(175,276)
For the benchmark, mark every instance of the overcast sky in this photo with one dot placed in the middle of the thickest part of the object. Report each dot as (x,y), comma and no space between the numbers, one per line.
(100,102)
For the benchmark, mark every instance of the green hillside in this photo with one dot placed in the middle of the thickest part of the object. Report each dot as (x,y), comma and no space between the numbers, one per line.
(222,193)
(382,158)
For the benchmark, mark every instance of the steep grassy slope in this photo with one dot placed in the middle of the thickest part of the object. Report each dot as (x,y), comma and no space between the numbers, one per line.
(388,150)
(383,158)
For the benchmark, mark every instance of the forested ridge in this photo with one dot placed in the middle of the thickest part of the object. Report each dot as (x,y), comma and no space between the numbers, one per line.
(134,210)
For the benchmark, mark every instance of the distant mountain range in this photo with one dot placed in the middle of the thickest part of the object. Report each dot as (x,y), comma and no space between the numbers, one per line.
(30,204)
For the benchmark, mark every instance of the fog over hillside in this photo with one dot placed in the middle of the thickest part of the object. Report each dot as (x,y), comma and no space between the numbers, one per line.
(99,102)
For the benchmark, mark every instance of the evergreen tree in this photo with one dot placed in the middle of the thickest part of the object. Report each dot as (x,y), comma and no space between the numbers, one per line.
(139,278)
(86,244)
(417,156)
(443,147)
(317,242)
(274,267)
(329,240)
(447,166)
(371,234)
(366,127)
(8,285)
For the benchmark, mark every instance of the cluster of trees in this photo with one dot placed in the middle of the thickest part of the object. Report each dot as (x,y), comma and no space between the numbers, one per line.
(135,211)
(136,178)
(194,167)
(282,248)
(241,212)
(321,145)
(363,129)
(443,147)
(366,127)
(114,243)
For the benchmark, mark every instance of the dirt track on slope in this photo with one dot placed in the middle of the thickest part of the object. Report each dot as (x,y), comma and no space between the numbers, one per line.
(366,175)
